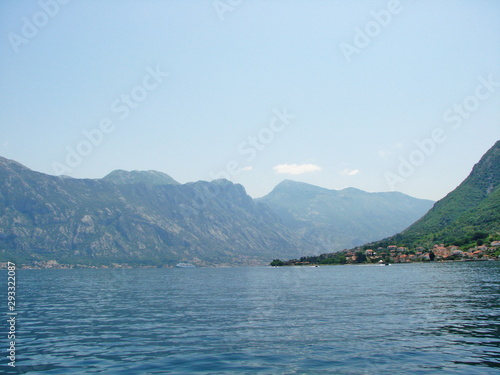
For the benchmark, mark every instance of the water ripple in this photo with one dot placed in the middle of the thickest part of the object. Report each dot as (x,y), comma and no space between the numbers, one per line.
(405,319)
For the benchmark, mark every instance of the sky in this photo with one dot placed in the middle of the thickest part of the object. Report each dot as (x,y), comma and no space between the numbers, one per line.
(377,95)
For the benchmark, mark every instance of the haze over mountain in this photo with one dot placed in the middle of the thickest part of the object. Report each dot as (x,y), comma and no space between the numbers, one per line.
(135,218)
(339,219)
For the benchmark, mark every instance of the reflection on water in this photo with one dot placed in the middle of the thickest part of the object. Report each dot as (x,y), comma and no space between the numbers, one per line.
(403,319)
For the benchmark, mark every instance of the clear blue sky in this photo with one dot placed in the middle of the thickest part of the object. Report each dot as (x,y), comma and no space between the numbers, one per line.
(350,107)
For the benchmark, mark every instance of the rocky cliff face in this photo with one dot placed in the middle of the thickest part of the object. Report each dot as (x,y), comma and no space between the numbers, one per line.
(134,218)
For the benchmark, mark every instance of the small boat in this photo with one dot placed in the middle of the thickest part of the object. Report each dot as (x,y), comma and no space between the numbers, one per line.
(185,265)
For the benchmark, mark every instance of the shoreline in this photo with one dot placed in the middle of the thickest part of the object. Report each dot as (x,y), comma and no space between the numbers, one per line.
(122,266)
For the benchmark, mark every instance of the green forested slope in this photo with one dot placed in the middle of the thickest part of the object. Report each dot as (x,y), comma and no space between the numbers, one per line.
(468,213)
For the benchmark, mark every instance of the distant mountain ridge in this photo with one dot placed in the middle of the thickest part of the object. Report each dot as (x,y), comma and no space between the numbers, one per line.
(146,217)
(339,219)
(467,217)
(136,177)
(134,218)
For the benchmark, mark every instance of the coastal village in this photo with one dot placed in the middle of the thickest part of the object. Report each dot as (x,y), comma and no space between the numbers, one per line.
(382,255)
(400,254)
(397,254)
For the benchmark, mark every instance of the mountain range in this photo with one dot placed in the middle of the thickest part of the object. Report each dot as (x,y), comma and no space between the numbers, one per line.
(340,219)
(467,217)
(148,218)
(134,218)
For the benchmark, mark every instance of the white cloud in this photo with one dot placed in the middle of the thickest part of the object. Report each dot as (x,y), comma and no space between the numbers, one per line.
(249,168)
(349,172)
(295,169)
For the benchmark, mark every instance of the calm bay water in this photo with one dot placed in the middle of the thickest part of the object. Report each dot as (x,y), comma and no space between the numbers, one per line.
(401,319)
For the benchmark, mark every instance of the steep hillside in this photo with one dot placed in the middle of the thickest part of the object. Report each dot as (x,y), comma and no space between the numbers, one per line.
(474,206)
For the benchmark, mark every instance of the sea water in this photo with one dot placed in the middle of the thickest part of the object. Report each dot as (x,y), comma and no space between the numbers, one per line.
(401,319)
